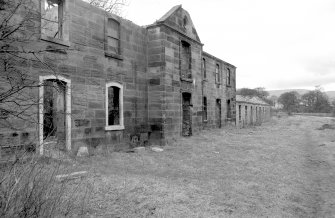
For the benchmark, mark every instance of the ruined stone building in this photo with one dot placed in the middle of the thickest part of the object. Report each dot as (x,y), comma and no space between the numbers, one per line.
(251,111)
(119,83)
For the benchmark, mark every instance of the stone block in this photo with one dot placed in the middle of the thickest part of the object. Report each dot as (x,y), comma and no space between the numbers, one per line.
(95,105)
(82,152)
(100,114)
(81,122)
(98,122)
(80,20)
(154,82)
(67,69)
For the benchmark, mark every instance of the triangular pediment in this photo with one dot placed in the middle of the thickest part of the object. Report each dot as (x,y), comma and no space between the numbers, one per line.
(180,19)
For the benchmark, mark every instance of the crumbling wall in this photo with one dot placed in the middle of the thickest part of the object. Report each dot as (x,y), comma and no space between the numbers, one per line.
(95,69)
(81,58)
(213,90)
(252,117)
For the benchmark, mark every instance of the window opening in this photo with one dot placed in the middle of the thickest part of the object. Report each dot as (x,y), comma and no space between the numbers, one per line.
(52,18)
(204,68)
(205,108)
(217,74)
(185,21)
(185,61)
(114,106)
(113,36)
(228,77)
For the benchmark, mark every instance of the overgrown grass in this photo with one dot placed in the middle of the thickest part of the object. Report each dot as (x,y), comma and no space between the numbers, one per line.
(274,170)
(29,188)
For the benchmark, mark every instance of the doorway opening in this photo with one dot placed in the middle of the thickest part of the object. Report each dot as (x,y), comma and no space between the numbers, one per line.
(186,114)
(228,110)
(54,113)
(252,115)
(218,113)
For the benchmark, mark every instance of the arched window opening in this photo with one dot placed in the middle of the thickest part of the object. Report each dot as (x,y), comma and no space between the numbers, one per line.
(114,106)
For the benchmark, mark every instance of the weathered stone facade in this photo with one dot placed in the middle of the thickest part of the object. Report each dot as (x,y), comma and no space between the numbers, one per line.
(156,76)
(251,111)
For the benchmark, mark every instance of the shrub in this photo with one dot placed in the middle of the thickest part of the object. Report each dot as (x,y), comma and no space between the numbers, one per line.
(28,188)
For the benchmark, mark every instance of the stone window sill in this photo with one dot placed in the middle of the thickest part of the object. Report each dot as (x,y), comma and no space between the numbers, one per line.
(55,40)
(115,127)
(112,55)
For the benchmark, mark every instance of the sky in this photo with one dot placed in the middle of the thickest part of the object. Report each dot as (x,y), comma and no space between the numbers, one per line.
(275,44)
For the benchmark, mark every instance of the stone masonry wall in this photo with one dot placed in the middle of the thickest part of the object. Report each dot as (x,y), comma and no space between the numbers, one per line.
(156,71)
(263,114)
(167,86)
(148,68)
(164,63)
(213,91)
(84,62)
(94,69)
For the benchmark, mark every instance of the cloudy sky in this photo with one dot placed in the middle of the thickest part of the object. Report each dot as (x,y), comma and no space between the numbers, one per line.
(276,44)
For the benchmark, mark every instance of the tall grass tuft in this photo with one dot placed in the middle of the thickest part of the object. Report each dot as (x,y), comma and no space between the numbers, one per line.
(29,188)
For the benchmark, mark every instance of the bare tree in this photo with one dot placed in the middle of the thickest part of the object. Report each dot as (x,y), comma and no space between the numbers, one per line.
(111,6)
(20,52)
(290,101)
(17,30)
(27,184)
(316,101)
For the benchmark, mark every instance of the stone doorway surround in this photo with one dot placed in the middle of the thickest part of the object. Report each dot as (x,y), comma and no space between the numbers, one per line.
(67,110)
(186,114)
(218,113)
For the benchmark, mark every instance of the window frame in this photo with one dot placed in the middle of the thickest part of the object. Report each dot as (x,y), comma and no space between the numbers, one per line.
(204,73)
(217,74)
(228,77)
(188,76)
(63,27)
(185,21)
(121,125)
(108,53)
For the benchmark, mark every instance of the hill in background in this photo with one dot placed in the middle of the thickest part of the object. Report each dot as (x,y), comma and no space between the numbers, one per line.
(331,94)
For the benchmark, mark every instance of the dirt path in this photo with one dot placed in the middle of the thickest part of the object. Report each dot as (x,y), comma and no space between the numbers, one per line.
(286,168)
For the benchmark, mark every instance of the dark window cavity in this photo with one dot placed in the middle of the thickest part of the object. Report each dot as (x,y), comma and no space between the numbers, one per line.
(205,109)
(239,113)
(113,105)
(228,77)
(185,60)
(217,74)
(204,68)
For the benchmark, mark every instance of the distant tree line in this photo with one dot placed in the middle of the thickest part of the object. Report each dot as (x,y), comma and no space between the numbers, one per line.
(315,101)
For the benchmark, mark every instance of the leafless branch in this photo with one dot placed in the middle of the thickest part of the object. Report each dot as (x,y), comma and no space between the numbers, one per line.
(111,6)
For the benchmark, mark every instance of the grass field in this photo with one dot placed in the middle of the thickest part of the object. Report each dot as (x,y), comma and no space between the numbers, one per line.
(285,168)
